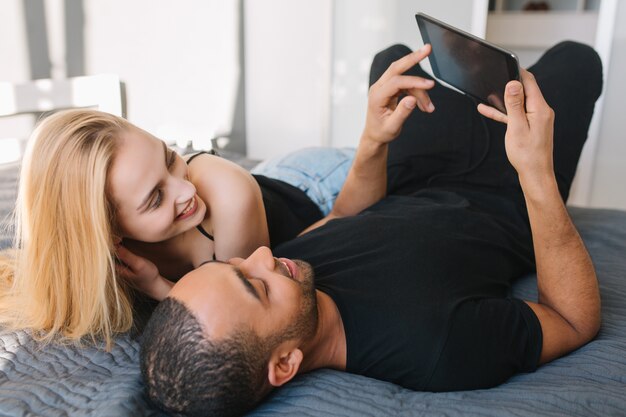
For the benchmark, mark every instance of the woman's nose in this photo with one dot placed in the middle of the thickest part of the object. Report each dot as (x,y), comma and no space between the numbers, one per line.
(186,190)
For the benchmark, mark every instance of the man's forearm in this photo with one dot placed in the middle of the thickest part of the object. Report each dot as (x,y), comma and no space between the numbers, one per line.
(566,277)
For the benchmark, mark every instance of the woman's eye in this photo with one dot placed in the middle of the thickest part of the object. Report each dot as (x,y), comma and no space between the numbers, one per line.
(157,200)
(171,159)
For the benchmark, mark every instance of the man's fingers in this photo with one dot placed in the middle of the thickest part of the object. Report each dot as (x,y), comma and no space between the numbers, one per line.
(423,100)
(400,83)
(492,113)
(405,63)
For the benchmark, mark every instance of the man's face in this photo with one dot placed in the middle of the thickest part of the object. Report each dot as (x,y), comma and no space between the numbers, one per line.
(274,297)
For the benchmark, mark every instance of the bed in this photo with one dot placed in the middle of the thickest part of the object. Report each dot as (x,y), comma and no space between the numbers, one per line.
(66,381)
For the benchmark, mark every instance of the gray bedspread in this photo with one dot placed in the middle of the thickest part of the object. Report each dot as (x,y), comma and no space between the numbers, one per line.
(66,381)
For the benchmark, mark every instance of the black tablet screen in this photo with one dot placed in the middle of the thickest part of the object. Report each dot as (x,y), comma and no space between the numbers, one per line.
(475,68)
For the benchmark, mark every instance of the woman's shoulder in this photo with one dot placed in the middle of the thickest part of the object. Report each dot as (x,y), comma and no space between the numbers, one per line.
(227,188)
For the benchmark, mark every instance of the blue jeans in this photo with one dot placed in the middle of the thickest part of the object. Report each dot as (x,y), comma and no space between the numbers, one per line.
(319,172)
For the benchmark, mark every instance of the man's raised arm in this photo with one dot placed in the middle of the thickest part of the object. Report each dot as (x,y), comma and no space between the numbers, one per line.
(366,182)
(569,299)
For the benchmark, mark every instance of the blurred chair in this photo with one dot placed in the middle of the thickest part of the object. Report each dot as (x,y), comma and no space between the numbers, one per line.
(102,92)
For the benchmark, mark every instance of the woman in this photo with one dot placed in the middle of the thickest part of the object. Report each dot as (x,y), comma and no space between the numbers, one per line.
(95,189)
(84,177)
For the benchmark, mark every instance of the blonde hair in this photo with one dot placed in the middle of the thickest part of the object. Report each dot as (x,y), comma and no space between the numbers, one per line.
(62,283)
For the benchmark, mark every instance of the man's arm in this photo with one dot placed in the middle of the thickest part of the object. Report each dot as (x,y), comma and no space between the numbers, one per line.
(366,182)
(569,300)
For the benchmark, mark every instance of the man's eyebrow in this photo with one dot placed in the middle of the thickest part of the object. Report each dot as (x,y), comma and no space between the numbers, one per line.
(246,283)
(147,198)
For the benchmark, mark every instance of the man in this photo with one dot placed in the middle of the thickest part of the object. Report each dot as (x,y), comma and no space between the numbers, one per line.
(415,289)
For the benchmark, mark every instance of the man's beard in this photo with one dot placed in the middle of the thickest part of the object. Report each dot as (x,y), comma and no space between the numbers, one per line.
(304,323)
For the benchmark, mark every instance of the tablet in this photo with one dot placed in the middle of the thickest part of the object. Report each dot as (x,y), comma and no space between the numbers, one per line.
(474,66)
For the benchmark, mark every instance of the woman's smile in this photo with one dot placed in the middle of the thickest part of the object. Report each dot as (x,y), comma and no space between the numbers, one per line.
(190,210)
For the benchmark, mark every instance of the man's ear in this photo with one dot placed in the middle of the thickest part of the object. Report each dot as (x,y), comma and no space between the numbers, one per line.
(284,365)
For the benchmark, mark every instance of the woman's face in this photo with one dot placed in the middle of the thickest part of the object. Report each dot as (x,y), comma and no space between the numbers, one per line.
(149,185)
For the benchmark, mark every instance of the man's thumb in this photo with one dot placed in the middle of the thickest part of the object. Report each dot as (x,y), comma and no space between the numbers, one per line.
(409,102)
(404,108)
(514,100)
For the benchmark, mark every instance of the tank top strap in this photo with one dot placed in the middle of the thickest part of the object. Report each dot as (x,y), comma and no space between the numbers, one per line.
(199,227)
(210,152)
(208,235)
(205,233)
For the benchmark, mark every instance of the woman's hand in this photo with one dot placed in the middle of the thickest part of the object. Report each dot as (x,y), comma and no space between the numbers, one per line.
(385,112)
(142,274)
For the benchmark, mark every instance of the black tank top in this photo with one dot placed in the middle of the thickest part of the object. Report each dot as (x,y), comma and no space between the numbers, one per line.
(288,209)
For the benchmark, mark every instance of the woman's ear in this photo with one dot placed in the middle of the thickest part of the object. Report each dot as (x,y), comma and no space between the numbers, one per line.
(284,365)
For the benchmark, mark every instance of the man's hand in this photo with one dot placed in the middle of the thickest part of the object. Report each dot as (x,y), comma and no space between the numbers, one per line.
(529,133)
(142,274)
(385,112)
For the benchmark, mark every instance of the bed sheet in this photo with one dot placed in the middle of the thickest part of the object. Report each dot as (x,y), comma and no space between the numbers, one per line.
(66,381)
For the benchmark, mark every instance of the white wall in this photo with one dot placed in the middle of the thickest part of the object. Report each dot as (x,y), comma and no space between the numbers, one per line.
(15,64)
(13,50)
(609,178)
(287,60)
(178,60)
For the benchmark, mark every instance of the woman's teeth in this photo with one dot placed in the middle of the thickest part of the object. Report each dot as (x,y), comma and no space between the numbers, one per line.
(189,206)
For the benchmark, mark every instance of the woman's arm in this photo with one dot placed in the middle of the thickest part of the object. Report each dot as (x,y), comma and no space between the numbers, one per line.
(366,182)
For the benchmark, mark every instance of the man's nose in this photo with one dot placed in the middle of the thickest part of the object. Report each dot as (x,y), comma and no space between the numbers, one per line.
(261,258)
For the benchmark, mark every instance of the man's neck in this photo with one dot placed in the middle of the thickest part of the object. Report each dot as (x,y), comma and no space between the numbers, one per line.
(327,348)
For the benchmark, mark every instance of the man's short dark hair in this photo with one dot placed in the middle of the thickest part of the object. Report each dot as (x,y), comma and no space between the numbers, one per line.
(188,374)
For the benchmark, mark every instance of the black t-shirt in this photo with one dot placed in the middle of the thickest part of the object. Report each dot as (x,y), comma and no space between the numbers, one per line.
(288,209)
(422,285)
